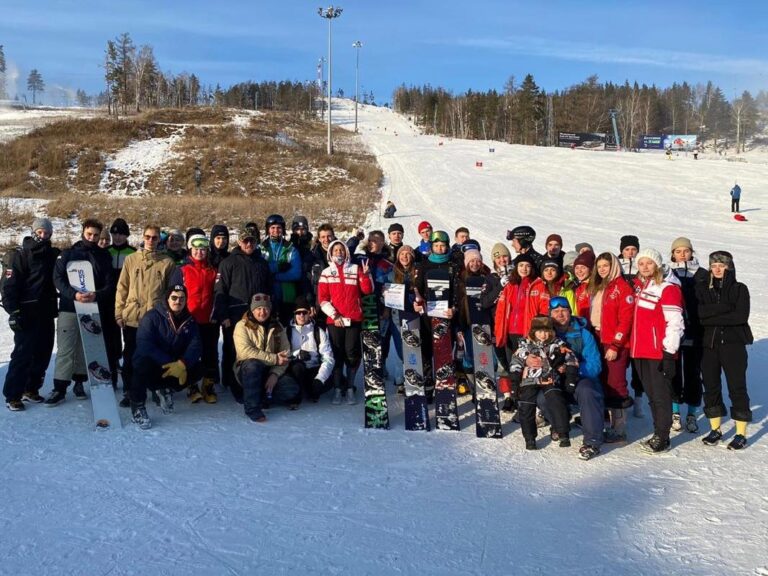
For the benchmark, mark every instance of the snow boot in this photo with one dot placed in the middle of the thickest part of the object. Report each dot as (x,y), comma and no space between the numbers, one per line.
(209,391)
(655,445)
(713,438)
(140,417)
(739,442)
(193,394)
(32,396)
(15,405)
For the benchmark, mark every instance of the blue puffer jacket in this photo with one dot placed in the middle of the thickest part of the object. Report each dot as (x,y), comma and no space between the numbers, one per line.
(582,342)
(163,338)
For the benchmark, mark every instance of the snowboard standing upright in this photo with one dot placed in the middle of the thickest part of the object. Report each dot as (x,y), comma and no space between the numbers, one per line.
(376,413)
(416,410)
(446,406)
(105,412)
(487,417)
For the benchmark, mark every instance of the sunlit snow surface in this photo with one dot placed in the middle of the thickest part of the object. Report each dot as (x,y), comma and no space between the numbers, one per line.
(312,492)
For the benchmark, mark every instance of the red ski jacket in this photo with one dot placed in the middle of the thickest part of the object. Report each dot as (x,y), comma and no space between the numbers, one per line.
(198,277)
(341,287)
(657,326)
(616,316)
(512,311)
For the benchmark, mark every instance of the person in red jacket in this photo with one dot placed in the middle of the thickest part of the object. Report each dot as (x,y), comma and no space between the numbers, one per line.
(657,329)
(582,270)
(340,290)
(198,276)
(612,306)
(512,322)
(552,282)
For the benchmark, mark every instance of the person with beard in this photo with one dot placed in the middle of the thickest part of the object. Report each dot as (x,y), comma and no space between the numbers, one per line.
(29,297)
(220,243)
(143,281)
(241,275)
(724,315)
(167,354)
(70,360)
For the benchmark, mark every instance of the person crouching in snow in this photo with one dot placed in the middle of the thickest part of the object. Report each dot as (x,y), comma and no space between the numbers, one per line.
(543,362)
(167,354)
(389,211)
(263,354)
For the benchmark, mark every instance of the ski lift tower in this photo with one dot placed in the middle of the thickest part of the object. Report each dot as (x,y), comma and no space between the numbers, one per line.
(613,112)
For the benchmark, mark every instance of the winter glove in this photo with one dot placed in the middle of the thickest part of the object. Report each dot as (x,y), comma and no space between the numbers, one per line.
(14,321)
(570,387)
(283,266)
(668,366)
(176,370)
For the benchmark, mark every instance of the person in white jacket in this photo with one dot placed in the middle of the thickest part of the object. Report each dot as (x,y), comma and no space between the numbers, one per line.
(311,354)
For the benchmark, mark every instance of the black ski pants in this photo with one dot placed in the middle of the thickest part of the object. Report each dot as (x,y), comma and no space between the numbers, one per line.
(734,204)
(306,378)
(32,350)
(148,374)
(731,359)
(659,391)
(557,408)
(129,347)
(686,385)
(347,351)
(209,337)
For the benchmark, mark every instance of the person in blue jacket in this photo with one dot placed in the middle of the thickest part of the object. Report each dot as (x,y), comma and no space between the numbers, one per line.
(285,265)
(735,197)
(167,356)
(588,392)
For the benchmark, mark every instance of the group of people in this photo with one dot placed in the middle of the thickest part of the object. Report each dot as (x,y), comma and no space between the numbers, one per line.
(568,326)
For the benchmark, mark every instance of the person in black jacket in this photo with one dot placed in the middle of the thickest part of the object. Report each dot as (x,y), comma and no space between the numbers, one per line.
(29,296)
(219,244)
(70,361)
(241,275)
(724,315)
(301,238)
(167,356)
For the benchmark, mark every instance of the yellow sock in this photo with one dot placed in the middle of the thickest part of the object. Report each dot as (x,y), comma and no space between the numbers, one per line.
(741,427)
(714,423)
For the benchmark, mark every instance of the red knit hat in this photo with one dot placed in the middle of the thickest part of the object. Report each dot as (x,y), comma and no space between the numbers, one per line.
(424,225)
(585,259)
(554,237)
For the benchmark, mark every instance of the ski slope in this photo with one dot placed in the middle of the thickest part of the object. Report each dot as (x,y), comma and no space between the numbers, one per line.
(312,492)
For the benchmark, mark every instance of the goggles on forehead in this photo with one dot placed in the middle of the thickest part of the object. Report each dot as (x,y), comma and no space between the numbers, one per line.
(559,302)
(200,243)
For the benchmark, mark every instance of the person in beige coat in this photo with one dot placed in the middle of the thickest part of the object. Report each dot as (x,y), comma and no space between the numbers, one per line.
(263,351)
(144,279)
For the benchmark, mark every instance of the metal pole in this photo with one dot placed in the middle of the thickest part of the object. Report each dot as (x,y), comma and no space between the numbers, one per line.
(357,45)
(330,79)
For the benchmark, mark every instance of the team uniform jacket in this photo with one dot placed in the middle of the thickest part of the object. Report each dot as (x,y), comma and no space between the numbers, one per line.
(340,288)
(198,277)
(657,325)
(512,311)
(583,301)
(617,314)
(538,298)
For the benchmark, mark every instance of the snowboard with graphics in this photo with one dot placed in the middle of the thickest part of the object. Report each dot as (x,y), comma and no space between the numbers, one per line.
(105,411)
(376,412)
(416,410)
(446,405)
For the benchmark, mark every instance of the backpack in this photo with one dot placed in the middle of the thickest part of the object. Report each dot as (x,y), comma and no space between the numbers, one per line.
(6,271)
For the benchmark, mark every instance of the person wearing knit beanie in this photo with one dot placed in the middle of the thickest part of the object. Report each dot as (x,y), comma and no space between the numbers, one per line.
(681,242)
(472,254)
(554,244)
(119,226)
(501,258)
(651,254)
(583,247)
(628,243)
(43,224)
(585,259)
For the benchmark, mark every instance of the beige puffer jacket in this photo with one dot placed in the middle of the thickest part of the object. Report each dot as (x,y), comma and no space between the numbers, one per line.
(143,282)
(254,341)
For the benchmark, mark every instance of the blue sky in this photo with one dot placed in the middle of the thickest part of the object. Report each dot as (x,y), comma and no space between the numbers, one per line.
(457,45)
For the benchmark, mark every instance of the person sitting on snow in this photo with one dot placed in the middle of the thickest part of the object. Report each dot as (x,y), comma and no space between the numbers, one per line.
(389,211)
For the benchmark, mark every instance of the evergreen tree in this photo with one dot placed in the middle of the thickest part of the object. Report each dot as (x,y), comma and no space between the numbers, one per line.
(35,84)
(3,91)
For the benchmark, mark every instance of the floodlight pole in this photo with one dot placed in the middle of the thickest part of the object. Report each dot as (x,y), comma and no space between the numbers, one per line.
(329,13)
(357,45)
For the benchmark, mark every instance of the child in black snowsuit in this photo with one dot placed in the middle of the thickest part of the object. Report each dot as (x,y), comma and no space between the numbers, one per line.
(558,370)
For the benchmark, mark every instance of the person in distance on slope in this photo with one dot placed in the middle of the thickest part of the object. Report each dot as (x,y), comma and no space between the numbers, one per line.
(263,354)
(389,211)
(70,360)
(628,248)
(29,297)
(582,270)
(198,276)
(425,231)
(340,290)
(735,197)
(657,330)
(522,238)
(610,312)
(311,356)
(723,304)
(167,354)
(687,384)
(543,362)
(512,322)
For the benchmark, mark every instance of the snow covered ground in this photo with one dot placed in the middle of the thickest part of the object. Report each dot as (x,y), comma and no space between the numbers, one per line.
(207,492)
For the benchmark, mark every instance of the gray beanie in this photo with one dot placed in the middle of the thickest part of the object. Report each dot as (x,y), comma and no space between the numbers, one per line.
(42,223)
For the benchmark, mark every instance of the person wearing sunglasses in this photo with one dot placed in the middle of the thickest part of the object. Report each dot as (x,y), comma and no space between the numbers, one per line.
(29,297)
(241,275)
(311,354)
(198,276)
(657,330)
(167,354)
(144,278)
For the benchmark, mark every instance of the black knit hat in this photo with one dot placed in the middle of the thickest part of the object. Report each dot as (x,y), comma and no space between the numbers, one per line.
(524,258)
(629,241)
(396,227)
(119,226)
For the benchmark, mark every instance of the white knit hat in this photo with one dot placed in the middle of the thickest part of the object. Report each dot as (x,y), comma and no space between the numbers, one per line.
(649,253)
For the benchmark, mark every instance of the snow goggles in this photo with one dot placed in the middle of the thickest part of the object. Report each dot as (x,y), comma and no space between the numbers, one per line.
(439,236)
(559,302)
(200,243)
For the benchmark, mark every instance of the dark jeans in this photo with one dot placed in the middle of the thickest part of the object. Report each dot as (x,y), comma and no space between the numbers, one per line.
(557,408)
(686,385)
(734,204)
(659,391)
(731,359)
(113,341)
(148,374)
(636,383)
(209,336)
(228,357)
(305,377)
(253,375)
(129,338)
(32,349)
(589,397)
(347,351)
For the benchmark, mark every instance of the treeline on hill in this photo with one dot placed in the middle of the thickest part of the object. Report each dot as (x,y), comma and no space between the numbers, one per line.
(525,114)
(134,82)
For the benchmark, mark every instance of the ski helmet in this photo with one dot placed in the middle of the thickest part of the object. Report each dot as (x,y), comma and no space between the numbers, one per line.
(439,236)
(274,219)
(523,234)
(299,222)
